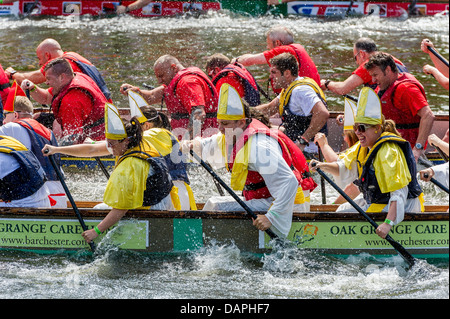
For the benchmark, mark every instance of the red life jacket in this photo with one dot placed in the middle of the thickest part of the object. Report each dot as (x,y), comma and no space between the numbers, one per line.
(255,186)
(90,70)
(94,124)
(406,123)
(306,66)
(4,85)
(179,114)
(251,91)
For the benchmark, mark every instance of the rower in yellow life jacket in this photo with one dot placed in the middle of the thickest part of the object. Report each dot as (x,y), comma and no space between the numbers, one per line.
(382,165)
(157,128)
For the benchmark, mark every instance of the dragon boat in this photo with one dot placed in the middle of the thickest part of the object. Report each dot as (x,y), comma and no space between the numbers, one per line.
(47,231)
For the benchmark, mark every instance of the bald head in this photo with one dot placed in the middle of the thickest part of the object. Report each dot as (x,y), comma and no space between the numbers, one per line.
(166,67)
(47,50)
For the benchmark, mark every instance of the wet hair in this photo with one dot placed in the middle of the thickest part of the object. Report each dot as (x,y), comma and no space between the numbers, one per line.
(217,60)
(158,119)
(260,116)
(59,66)
(134,132)
(381,60)
(23,104)
(285,61)
(366,44)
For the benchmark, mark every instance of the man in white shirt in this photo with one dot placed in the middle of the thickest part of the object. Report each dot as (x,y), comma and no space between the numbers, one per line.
(301,104)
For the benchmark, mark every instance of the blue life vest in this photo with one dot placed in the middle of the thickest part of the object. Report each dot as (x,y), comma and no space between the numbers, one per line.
(175,162)
(24,181)
(368,184)
(38,141)
(91,71)
(159,183)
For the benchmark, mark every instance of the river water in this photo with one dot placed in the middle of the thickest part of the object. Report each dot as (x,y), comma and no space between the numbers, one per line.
(124,49)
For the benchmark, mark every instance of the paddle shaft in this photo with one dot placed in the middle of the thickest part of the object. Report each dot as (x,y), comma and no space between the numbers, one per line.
(69,196)
(102,167)
(440,57)
(399,248)
(230,191)
(441,153)
(438,184)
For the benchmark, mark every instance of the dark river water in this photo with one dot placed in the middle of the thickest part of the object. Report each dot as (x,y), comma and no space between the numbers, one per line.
(124,49)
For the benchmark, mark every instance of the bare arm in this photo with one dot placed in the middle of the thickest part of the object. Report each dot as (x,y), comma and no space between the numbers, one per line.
(111,219)
(345,87)
(319,118)
(251,59)
(270,108)
(34,76)
(154,96)
(79,150)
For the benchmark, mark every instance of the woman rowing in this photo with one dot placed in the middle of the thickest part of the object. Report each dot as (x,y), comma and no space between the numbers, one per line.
(382,166)
(156,127)
(140,178)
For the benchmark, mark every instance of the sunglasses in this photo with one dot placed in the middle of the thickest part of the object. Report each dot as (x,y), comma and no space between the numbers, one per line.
(356,55)
(361,127)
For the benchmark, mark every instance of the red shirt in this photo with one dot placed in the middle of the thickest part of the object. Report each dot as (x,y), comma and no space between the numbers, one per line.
(76,106)
(233,80)
(307,66)
(192,92)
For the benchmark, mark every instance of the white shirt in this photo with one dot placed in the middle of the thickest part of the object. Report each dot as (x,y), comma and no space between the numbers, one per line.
(302,101)
(20,133)
(267,159)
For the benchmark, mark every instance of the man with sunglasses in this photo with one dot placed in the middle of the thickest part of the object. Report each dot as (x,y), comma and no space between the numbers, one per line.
(363,49)
(403,100)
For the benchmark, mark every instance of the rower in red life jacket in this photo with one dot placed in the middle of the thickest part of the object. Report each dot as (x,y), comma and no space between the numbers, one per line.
(221,70)
(363,49)
(76,101)
(265,164)
(19,124)
(403,100)
(189,95)
(281,40)
(50,49)
(4,90)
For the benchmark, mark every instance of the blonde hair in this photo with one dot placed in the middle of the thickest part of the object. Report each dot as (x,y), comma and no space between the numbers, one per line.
(389,126)
(23,104)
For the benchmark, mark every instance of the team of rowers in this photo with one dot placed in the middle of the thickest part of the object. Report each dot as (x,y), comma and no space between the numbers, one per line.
(219,115)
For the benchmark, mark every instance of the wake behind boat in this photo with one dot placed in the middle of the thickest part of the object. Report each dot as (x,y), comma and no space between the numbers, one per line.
(424,235)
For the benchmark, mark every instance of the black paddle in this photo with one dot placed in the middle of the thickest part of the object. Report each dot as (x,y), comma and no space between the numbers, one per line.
(399,248)
(66,189)
(102,167)
(231,192)
(438,184)
(440,57)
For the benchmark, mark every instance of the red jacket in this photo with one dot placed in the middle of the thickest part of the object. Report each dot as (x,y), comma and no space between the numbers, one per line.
(181,96)
(255,186)
(4,85)
(404,116)
(87,119)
